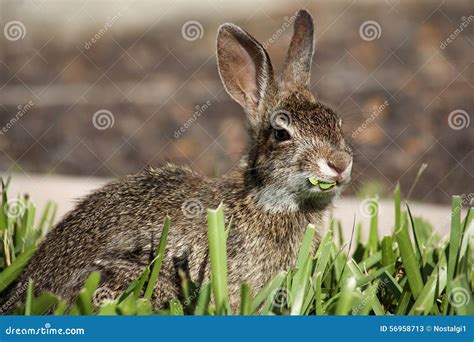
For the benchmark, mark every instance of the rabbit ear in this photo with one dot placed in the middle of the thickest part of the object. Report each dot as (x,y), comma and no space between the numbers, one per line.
(296,71)
(244,67)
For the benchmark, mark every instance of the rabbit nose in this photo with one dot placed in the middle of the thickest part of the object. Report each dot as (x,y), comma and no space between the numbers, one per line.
(341,163)
(339,168)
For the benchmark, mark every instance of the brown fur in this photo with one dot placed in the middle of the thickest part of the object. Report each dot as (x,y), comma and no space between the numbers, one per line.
(115,230)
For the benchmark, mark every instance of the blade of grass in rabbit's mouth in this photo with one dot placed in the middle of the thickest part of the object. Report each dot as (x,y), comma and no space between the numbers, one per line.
(322,185)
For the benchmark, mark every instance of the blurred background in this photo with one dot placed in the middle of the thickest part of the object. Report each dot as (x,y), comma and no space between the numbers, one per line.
(99,89)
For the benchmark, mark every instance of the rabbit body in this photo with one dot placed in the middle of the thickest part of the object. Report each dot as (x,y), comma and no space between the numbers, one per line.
(116,229)
(120,240)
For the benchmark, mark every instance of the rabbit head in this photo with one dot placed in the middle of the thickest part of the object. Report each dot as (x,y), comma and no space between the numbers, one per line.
(295,141)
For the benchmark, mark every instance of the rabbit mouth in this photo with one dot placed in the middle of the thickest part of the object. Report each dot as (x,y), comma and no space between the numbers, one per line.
(322,185)
(316,199)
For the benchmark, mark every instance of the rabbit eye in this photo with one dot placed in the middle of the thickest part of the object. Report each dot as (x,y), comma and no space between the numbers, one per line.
(281,134)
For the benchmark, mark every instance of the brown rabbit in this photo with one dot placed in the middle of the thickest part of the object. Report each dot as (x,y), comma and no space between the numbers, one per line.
(292,138)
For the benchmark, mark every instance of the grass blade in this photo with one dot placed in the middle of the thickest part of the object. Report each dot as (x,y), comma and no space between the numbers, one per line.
(408,257)
(344,304)
(397,204)
(12,272)
(306,245)
(86,294)
(374,223)
(29,298)
(175,308)
(203,299)
(267,290)
(454,244)
(245,300)
(159,255)
(298,288)
(218,256)
(388,257)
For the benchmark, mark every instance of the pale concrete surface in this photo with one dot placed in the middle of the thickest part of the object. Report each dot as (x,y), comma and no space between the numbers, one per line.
(66,190)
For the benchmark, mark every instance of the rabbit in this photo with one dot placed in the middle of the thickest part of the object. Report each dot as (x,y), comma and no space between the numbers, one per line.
(268,196)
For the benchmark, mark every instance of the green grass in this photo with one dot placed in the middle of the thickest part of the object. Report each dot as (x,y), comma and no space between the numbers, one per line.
(412,271)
